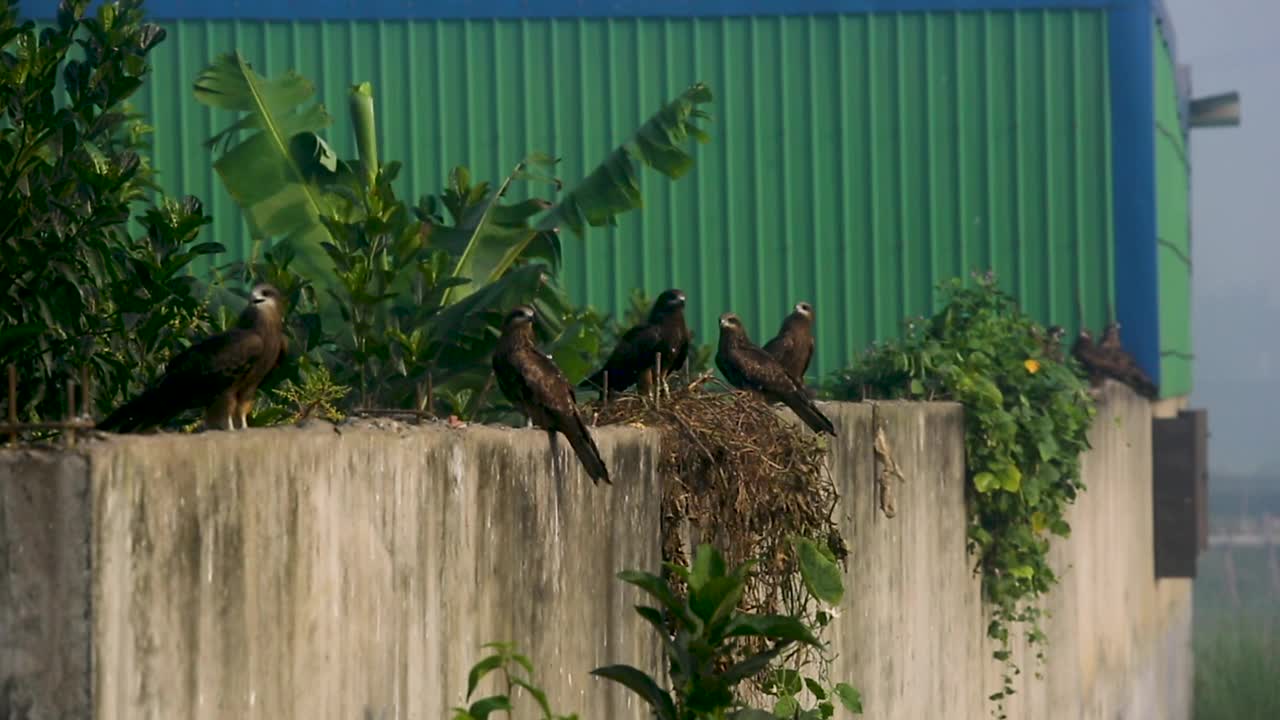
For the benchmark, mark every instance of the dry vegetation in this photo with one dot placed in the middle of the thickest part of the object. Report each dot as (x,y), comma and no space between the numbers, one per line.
(741,475)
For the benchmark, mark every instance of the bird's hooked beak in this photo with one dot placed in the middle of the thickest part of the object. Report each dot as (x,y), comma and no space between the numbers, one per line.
(804,309)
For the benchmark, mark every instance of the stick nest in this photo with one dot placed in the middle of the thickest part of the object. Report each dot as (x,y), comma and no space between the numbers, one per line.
(740,475)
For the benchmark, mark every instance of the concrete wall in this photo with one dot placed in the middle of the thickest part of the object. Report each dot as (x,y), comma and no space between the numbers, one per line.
(354,572)
(911,633)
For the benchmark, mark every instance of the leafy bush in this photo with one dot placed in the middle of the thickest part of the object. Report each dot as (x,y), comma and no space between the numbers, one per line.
(80,292)
(799,670)
(1027,417)
(404,303)
(705,649)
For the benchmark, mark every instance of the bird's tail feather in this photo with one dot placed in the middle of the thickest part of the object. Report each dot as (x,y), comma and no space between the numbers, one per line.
(137,414)
(807,411)
(585,448)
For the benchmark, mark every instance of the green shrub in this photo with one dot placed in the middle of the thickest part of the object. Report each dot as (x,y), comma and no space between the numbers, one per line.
(80,292)
(1027,418)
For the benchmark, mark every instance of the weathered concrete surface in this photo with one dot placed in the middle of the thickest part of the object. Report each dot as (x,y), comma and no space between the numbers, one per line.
(320,574)
(912,634)
(300,573)
(44,585)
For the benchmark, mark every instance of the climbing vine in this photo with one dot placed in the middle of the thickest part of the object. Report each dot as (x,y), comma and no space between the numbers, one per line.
(1027,418)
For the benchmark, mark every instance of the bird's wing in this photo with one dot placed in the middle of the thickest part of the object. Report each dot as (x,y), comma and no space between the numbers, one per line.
(193,379)
(682,350)
(766,374)
(633,354)
(807,352)
(762,371)
(539,382)
(209,367)
(779,345)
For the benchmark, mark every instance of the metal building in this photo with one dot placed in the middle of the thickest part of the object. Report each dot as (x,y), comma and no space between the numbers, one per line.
(863,149)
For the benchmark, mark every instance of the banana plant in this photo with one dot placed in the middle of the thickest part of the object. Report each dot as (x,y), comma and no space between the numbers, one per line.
(417,292)
(269,174)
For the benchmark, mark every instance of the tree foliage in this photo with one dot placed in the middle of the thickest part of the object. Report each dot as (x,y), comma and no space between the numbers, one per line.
(1027,419)
(81,292)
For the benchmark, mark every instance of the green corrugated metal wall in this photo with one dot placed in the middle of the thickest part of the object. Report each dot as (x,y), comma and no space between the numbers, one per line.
(1173,223)
(856,161)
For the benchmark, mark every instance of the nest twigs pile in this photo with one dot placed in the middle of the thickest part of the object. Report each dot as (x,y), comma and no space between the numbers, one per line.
(739,474)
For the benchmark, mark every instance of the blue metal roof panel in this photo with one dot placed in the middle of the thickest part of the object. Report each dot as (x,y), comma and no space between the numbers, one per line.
(462,9)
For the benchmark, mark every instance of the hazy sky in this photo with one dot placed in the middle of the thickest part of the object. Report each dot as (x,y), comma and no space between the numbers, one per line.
(1235,189)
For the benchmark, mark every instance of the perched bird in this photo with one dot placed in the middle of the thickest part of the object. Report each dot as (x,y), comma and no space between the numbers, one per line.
(532,382)
(1111,337)
(747,367)
(793,345)
(1131,373)
(635,357)
(1115,363)
(220,374)
(1094,361)
(1052,342)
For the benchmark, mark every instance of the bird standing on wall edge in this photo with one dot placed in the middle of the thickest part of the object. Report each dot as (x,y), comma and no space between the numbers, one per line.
(793,345)
(634,359)
(220,374)
(532,382)
(747,367)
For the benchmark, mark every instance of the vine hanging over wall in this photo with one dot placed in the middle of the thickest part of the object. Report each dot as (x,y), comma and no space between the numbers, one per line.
(1027,418)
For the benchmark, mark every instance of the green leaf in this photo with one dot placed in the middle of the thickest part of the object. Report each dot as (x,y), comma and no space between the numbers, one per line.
(1022,571)
(707,564)
(640,684)
(850,698)
(753,665)
(776,627)
(786,707)
(917,387)
(480,669)
(815,688)
(1011,478)
(821,575)
(613,187)
(261,172)
(208,248)
(481,709)
(539,696)
(985,482)
(658,588)
(360,103)
(486,249)
(788,681)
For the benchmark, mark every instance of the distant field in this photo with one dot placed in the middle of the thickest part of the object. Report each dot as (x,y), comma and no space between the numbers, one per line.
(1237,637)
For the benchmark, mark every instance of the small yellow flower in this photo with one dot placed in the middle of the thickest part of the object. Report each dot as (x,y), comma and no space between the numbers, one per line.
(1032,365)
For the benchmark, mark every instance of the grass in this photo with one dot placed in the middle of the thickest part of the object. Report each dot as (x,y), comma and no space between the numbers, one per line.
(1237,647)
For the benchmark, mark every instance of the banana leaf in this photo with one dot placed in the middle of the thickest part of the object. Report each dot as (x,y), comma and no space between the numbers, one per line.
(490,238)
(614,186)
(263,173)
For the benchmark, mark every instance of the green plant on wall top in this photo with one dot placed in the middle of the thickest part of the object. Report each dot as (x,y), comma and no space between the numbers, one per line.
(1027,416)
(80,292)
(403,302)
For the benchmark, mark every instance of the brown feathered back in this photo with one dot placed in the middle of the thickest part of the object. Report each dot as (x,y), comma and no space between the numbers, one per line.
(634,358)
(793,345)
(535,385)
(220,374)
(747,367)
